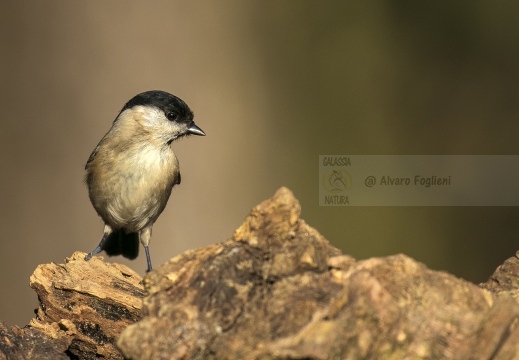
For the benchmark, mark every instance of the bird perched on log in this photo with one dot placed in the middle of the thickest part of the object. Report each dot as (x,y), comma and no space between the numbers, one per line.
(132,170)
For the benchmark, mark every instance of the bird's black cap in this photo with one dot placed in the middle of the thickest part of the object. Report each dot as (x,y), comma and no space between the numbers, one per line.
(163,101)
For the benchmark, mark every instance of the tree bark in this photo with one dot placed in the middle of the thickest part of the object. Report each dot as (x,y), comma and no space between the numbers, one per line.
(276,290)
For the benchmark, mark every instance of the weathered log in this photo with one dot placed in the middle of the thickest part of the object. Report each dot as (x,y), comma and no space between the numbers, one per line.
(29,343)
(88,303)
(276,289)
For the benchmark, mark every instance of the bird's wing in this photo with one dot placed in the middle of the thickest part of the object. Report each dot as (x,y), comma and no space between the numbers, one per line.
(92,156)
(177,178)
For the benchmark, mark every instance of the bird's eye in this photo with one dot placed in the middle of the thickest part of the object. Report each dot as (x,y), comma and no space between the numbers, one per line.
(172,116)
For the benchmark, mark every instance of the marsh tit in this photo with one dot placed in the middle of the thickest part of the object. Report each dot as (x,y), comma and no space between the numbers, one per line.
(132,170)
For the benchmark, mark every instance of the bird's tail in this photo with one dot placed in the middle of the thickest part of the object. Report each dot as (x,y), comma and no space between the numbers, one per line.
(120,243)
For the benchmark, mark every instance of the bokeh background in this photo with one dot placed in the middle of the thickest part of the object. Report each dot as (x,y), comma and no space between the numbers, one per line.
(274,84)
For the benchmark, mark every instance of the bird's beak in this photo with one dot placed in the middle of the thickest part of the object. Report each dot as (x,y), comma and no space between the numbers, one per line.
(195,130)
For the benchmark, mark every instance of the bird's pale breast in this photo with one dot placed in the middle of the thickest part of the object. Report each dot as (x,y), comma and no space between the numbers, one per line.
(130,189)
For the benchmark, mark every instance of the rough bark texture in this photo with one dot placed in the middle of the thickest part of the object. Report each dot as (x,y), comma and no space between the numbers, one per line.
(28,343)
(276,289)
(86,303)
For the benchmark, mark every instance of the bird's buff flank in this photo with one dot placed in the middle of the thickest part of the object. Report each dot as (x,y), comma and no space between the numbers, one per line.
(132,170)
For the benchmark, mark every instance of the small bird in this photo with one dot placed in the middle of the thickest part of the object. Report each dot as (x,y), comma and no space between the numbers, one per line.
(132,170)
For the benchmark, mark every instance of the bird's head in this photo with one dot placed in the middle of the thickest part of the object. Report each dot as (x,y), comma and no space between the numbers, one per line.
(158,115)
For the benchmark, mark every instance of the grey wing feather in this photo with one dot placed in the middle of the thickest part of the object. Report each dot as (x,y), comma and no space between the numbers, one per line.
(92,156)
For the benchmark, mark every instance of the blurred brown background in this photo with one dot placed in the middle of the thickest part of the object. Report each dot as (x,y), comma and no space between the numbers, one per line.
(273,84)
